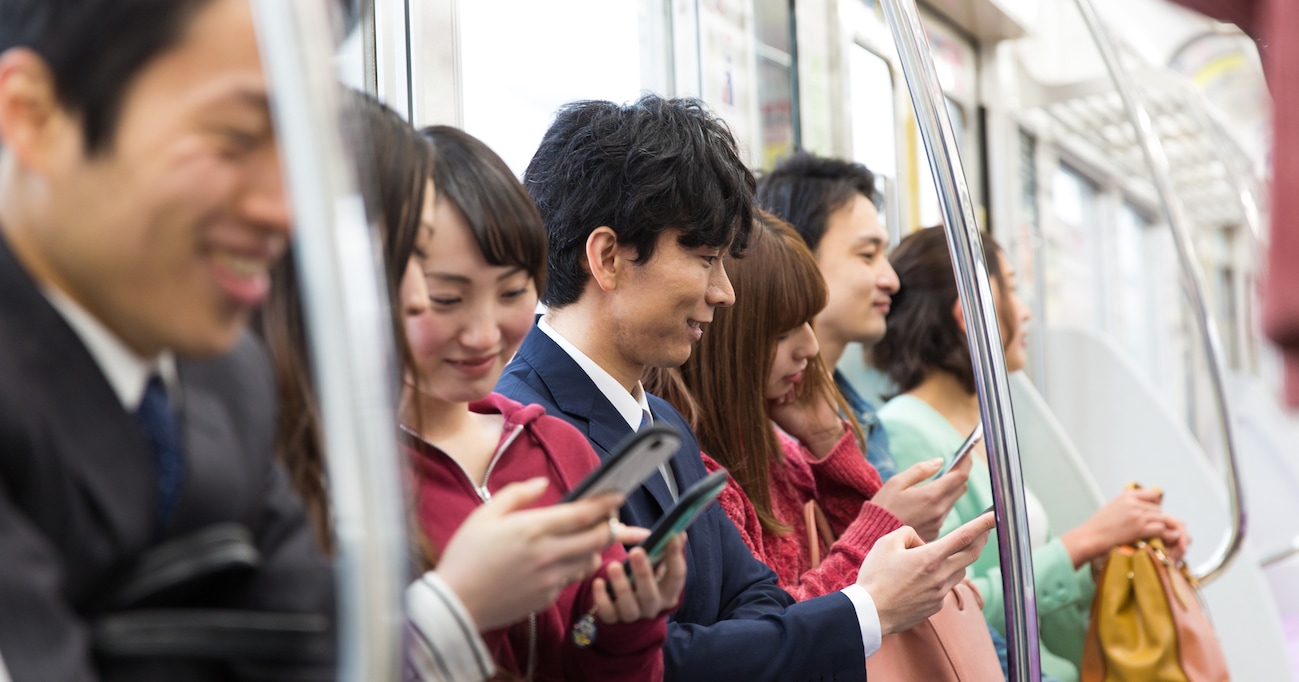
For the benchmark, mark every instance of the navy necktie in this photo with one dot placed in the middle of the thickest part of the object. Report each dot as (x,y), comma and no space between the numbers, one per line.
(162,430)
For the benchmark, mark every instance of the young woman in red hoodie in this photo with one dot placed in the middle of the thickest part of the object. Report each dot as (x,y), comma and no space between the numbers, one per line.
(468,297)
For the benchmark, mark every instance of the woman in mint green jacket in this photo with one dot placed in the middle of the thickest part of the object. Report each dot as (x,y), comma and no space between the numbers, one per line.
(925,353)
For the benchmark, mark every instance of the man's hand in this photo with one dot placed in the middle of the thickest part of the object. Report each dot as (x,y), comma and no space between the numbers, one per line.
(924,506)
(506,561)
(908,579)
(653,593)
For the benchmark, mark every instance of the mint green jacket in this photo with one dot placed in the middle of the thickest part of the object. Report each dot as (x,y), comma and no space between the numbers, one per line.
(918,433)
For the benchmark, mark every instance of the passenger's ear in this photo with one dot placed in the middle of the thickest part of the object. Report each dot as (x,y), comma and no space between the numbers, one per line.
(603,257)
(959,315)
(31,117)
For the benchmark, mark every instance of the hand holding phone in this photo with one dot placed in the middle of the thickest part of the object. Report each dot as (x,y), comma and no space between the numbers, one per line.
(635,459)
(964,451)
(689,506)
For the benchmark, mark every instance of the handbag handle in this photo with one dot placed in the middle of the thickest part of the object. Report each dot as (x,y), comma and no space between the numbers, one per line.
(818,529)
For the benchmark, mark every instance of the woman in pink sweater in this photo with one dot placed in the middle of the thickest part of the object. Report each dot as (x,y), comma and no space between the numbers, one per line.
(780,434)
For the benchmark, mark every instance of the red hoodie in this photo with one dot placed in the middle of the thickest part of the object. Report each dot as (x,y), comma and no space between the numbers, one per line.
(533,444)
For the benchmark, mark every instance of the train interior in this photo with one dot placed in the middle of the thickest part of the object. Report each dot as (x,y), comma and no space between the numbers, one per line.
(1141,368)
(1120,386)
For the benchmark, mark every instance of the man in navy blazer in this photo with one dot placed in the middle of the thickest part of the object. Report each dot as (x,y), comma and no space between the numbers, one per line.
(642,203)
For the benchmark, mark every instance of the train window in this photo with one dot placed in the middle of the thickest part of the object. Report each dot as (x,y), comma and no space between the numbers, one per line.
(516,73)
(1133,302)
(930,211)
(873,123)
(1072,276)
(777,95)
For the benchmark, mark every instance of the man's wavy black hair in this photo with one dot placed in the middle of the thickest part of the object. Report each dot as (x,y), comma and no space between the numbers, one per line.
(643,168)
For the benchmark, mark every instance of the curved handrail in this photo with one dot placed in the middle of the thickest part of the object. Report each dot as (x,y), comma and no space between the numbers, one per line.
(970,265)
(1282,554)
(350,334)
(1153,150)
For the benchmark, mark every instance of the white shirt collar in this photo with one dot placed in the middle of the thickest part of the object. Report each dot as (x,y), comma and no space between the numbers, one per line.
(126,372)
(630,406)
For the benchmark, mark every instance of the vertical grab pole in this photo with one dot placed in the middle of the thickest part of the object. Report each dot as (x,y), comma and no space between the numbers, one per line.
(1153,150)
(986,352)
(349,329)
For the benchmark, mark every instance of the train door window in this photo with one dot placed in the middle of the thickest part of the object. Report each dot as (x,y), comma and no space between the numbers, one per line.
(776,66)
(516,73)
(930,211)
(954,62)
(1223,294)
(1133,300)
(873,123)
(1172,366)
(1072,280)
(727,43)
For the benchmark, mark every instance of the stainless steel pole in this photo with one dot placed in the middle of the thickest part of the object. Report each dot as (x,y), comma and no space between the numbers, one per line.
(1175,215)
(349,329)
(986,350)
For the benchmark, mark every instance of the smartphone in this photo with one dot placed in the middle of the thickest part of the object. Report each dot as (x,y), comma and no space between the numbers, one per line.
(964,451)
(635,459)
(688,508)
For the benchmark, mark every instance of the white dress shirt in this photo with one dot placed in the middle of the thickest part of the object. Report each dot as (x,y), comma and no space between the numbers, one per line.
(127,372)
(630,407)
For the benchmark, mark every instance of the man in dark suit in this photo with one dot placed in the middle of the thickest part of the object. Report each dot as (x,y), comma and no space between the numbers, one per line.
(140,209)
(642,203)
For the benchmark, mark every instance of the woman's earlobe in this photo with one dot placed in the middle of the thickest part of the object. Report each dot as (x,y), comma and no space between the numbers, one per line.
(958,314)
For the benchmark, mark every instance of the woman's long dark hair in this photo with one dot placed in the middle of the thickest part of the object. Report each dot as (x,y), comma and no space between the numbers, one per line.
(922,334)
(396,164)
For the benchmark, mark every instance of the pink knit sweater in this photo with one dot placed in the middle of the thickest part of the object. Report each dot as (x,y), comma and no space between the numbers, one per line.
(842,484)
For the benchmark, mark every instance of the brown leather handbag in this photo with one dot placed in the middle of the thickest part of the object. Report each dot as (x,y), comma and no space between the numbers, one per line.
(953,645)
(1148,624)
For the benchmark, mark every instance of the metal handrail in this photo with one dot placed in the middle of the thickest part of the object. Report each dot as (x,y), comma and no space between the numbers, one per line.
(1280,555)
(1174,214)
(986,352)
(349,330)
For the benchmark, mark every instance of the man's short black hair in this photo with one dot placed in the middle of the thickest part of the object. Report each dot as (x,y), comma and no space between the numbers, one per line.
(94,49)
(639,169)
(805,189)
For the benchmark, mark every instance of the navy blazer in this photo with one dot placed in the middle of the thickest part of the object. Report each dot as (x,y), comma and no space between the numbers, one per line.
(734,622)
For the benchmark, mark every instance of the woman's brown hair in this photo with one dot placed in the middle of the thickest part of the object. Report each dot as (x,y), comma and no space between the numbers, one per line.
(395,166)
(721,388)
(922,333)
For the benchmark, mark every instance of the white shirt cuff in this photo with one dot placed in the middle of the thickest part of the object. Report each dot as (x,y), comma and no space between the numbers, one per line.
(867,617)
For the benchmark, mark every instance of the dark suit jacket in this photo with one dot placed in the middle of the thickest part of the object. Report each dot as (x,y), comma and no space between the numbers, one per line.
(78,493)
(734,622)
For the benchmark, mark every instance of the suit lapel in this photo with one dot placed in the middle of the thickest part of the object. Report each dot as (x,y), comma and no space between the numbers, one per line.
(81,422)
(578,397)
(211,455)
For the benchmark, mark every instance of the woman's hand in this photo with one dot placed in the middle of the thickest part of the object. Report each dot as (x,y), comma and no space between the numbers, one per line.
(1130,516)
(924,506)
(506,561)
(1176,540)
(651,595)
(813,420)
